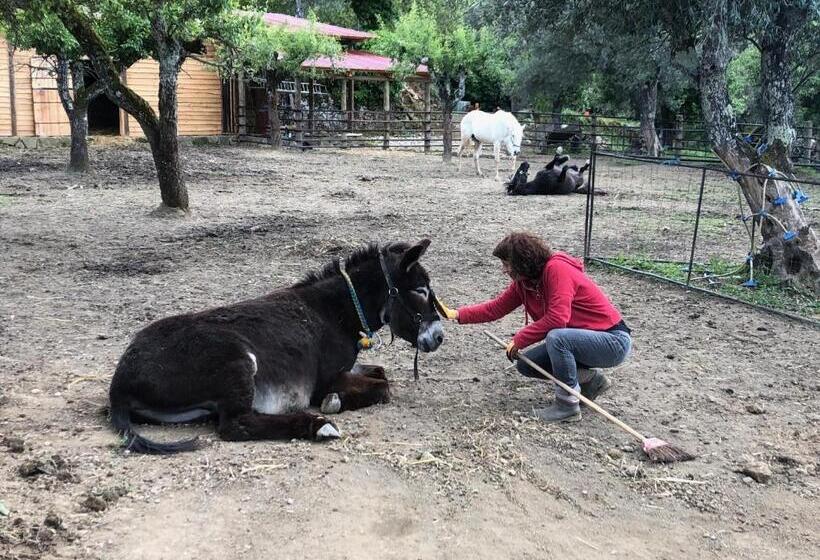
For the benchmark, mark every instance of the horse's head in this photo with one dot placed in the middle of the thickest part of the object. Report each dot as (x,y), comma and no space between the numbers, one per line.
(410,310)
(515,138)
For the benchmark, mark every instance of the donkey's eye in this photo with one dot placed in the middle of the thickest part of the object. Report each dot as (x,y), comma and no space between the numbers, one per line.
(422,292)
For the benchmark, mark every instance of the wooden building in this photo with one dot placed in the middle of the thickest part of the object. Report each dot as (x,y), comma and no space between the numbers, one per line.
(30,105)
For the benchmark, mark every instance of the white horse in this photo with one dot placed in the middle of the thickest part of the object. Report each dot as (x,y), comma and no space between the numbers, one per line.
(496,128)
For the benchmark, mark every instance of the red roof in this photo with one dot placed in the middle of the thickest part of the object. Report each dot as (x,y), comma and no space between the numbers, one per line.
(359,61)
(323,28)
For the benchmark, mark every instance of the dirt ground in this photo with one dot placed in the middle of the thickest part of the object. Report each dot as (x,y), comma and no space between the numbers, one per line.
(454,467)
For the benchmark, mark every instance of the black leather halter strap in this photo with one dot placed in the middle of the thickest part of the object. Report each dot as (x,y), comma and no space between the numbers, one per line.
(394,294)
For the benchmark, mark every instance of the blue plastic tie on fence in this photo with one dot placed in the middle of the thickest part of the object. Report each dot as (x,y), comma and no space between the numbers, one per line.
(772,173)
(762,214)
(734,174)
(779,201)
(749,139)
(789,235)
(800,197)
(750,283)
(762,149)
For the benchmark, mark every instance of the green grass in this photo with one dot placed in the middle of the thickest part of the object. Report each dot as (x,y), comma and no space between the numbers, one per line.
(770,292)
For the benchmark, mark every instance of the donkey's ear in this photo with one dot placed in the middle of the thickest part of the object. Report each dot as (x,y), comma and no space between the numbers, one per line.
(413,254)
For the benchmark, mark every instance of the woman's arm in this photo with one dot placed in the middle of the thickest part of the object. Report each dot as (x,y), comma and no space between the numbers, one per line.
(491,310)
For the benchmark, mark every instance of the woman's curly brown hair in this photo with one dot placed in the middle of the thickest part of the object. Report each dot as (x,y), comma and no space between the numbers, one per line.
(526,253)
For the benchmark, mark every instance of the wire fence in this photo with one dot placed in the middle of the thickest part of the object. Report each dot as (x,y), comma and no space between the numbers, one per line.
(424,130)
(689,225)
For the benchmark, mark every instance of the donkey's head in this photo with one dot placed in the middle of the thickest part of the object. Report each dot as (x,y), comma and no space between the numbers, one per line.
(519,179)
(410,310)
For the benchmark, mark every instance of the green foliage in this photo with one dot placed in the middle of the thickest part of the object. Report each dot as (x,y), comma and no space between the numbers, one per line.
(743,80)
(39,29)
(257,48)
(435,33)
(491,78)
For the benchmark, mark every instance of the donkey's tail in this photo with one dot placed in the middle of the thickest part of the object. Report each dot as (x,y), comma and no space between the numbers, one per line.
(135,443)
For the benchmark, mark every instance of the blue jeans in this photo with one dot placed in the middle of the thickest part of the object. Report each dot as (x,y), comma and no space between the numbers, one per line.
(565,350)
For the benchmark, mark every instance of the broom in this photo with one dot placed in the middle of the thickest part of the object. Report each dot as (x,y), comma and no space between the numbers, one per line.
(656,449)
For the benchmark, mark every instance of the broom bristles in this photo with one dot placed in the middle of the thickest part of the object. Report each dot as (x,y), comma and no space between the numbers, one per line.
(660,451)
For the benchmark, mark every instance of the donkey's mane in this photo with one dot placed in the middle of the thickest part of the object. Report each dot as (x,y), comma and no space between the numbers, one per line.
(360,255)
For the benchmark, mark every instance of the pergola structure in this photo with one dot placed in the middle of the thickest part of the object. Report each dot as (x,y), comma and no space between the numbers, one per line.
(353,65)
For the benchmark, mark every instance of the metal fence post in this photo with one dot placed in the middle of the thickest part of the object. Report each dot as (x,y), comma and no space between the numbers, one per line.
(695,234)
(590,203)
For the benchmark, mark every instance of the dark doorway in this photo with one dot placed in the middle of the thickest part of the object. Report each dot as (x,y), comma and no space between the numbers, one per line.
(103,115)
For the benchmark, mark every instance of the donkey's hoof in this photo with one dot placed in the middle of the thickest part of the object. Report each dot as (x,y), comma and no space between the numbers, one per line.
(327,431)
(331,404)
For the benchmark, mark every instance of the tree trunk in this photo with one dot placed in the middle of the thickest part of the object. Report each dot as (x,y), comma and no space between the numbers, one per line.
(448,97)
(76,108)
(796,259)
(161,132)
(164,141)
(274,127)
(78,120)
(648,105)
(777,95)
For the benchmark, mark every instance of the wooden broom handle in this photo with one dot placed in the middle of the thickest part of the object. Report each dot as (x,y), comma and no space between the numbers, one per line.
(572,391)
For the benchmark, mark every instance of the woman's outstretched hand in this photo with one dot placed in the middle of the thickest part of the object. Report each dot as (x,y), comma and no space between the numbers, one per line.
(448,313)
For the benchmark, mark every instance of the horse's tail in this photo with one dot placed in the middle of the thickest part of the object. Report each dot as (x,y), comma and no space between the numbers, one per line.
(132,441)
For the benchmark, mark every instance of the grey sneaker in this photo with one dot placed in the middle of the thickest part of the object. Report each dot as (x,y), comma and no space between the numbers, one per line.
(597,386)
(559,411)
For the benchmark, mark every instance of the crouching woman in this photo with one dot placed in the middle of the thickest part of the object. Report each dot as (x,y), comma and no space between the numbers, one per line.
(575,326)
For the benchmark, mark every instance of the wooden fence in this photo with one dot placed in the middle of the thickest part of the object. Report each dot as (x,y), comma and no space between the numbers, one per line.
(421,130)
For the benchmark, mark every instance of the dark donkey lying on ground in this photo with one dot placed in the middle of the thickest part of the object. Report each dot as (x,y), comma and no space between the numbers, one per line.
(257,365)
(555,178)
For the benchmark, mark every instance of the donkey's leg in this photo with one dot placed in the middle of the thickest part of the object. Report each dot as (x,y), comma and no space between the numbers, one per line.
(368,370)
(351,392)
(238,421)
(253,425)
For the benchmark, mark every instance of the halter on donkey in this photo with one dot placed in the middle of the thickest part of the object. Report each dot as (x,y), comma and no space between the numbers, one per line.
(499,128)
(257,365)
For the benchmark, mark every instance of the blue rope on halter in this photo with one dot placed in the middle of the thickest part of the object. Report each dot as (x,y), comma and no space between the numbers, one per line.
(366,341)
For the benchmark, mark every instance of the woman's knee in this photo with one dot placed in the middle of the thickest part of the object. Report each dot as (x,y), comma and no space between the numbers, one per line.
(555,340)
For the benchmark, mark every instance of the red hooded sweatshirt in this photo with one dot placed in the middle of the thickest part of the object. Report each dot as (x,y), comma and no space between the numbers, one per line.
(564,297)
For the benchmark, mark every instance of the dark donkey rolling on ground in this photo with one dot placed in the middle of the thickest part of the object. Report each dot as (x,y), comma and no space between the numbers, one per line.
(555,178)
(257,365)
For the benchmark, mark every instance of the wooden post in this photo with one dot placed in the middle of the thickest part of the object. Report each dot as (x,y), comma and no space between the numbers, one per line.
(386,143)
(12,91)
(594,119)
(677,143)
(808,140)
(343,104)
(427,117)
(297,114)
(240,105)
(352,106)
(311,105)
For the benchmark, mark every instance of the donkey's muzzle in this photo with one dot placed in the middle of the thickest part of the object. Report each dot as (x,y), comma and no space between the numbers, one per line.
(430,337)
